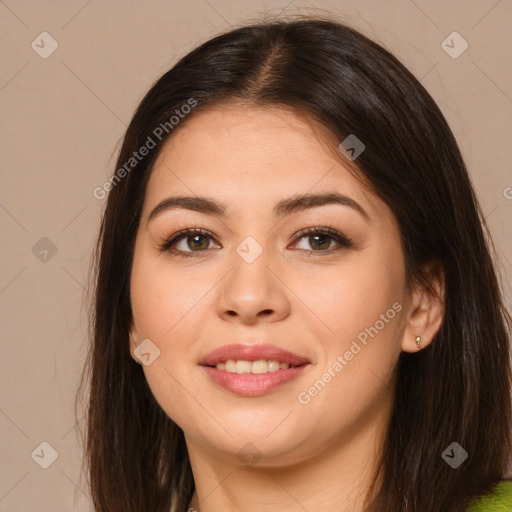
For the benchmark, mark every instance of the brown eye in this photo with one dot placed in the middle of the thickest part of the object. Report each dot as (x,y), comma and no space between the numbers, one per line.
(320,239)
(197,242)
(192,241)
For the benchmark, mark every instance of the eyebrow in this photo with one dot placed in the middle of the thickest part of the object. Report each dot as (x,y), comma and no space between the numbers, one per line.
(282,208)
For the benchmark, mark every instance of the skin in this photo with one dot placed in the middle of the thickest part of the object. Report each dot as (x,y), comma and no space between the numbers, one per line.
(312,301)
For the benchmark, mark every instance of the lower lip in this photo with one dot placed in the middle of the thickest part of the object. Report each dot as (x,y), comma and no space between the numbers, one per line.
(250,384)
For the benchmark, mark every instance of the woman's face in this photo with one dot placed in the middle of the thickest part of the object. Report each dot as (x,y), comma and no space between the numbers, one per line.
(255,279)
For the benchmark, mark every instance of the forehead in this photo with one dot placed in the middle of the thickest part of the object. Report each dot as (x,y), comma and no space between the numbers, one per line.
(231,133)
(249,156)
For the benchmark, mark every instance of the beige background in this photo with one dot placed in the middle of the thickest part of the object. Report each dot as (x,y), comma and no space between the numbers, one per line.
(61,121)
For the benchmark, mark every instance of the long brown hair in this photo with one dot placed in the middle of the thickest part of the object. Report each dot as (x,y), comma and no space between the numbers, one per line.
(458,389)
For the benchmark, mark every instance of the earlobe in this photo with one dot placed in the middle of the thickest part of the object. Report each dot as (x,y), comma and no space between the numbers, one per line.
(133,342)
(425,316)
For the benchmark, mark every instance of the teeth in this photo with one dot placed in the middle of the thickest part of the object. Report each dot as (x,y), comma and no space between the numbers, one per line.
(256,367)
(243,367)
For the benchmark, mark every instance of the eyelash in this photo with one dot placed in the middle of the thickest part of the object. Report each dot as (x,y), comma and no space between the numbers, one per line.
(331,232)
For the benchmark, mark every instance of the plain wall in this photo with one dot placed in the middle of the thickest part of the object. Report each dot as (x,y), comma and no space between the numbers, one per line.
(62,118)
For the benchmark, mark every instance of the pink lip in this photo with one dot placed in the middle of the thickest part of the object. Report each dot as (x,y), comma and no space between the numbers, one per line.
(252,353)
(248,384)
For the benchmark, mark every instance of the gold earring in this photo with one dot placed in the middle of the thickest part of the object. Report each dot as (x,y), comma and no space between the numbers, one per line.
(418,341)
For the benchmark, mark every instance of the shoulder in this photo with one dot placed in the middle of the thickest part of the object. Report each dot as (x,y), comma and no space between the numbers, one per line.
(498,500)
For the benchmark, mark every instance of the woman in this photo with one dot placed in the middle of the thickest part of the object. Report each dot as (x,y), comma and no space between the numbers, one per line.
(293,254)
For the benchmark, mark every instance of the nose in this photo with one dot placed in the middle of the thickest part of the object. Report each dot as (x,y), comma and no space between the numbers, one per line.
(253,292)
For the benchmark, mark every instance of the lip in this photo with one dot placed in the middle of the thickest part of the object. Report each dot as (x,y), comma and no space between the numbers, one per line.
(252,353)
(251,385)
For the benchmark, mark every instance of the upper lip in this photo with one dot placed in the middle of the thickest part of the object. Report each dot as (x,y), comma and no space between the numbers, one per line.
(252,353)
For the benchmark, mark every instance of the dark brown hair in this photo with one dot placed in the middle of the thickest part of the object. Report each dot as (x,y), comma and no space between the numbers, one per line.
(458,389)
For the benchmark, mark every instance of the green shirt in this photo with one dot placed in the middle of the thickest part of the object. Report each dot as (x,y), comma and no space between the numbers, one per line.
(499,500)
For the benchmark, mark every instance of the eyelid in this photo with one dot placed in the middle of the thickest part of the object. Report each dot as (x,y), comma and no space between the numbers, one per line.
(176,237)
(339,238)
(326,230)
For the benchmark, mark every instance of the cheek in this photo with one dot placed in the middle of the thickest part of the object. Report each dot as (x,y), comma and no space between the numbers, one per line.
(359,350)
(358,309)
(353,296)
(166,304)
(163,297)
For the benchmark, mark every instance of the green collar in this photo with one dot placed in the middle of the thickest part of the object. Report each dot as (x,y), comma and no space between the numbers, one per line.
(499,500)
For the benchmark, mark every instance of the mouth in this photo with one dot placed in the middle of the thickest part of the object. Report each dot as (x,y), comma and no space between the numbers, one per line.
(245,354)
(252,370)
(257,367)
(253,384)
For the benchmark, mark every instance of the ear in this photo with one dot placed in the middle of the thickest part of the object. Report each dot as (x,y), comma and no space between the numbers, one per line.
(133,341)
(425,311)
